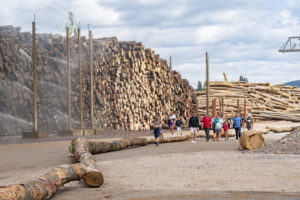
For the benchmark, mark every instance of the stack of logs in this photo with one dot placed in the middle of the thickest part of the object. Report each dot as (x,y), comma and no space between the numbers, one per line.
(263,100)
(131,83)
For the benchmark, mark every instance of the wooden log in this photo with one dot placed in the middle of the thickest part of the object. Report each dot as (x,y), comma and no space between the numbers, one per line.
(80,147)
(252,139)
(281,129)
(46,186)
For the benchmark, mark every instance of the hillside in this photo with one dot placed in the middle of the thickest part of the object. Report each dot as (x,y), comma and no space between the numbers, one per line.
(293,83)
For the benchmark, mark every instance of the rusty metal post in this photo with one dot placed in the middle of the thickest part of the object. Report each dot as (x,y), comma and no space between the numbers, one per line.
(92,79)
(207,82)
(245,108)
(238,105)
(223,112)
(35,128)
(215,108)
(69,80)
(80,80)
(220,107)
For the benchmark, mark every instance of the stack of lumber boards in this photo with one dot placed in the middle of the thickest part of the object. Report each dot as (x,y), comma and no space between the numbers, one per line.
(264,101)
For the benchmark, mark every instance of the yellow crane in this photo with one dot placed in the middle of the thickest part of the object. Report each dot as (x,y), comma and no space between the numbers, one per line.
(225,76)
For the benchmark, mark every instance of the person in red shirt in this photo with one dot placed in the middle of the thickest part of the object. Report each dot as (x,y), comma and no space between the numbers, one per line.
(206,124)
(225,127)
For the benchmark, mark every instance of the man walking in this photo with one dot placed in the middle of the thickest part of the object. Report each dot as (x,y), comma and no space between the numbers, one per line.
(157,124)
(237,125)
(194,124)
(206,123)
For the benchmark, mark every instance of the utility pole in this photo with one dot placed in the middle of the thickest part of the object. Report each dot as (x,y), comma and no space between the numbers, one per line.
(80,80)
(34,77)
(92,79)
(207,83)
(69,81)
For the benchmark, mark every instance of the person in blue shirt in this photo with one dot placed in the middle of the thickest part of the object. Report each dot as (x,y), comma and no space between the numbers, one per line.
(237,125)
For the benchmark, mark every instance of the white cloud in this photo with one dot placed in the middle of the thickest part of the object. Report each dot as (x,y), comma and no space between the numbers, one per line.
(242,37)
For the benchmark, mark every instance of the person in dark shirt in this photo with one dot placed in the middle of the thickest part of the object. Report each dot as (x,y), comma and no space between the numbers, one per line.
(179,124)
(194,125)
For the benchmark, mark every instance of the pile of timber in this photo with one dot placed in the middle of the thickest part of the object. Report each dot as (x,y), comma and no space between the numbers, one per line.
(263,100)
(131,84)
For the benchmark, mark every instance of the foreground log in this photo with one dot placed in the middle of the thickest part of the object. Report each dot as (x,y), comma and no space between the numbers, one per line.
(252,139)
(44,187)
(81,150)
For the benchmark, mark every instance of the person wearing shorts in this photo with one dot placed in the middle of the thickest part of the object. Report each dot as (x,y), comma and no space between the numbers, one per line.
(157,124)
(194,125)
(218,127)
(179,124)
(172,119)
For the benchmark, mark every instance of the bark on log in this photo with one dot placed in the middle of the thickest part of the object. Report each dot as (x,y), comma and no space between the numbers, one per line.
(81,150)
(44,187)
(281,129)
(252,139)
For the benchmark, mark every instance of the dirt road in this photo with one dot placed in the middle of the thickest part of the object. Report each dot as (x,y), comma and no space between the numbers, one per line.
(205,170)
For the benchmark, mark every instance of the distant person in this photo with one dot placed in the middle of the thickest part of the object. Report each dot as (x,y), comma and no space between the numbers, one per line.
(157,124)
(178,125)
(206,124)
(194,125)
(172,119)
(249,122)
(218,127)
(225,127)
(237,125)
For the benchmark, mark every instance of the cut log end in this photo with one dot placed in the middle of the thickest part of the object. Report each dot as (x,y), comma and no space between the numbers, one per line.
(94,179)
(252,139)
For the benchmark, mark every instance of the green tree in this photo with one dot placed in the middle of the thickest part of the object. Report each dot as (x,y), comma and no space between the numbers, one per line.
(243,79)
(199,87)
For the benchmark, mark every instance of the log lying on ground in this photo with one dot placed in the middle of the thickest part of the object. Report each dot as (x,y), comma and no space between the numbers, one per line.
(102,147)
(44,187)
(81,150)
(252,139)
(282,129)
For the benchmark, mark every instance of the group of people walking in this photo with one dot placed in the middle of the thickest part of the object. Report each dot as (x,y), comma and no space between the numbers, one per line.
(206,123)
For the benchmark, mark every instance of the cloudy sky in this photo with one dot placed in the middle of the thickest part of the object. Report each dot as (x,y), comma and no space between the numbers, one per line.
(241,36)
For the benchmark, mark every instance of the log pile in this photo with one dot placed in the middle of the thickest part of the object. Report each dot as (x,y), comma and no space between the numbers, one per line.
(264,101)
(132,83)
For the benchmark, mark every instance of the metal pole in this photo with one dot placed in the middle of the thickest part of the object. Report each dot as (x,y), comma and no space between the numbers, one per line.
(207,82)
(220,107)
(170,61)
(34,77)
(223,112)
(92,79)
(238,105)
(69,80)
(245,108)
(215,107)
(80,80)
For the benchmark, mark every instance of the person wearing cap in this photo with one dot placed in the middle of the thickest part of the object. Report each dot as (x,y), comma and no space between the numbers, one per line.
(249,122)
(194,125)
